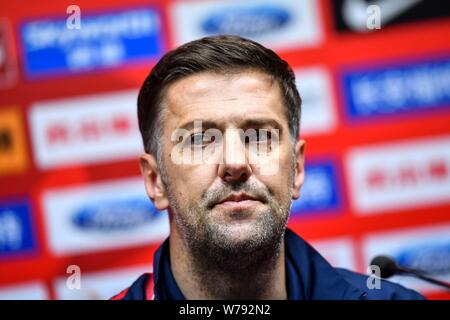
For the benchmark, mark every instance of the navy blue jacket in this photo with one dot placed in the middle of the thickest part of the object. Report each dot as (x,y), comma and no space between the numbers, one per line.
(308,276)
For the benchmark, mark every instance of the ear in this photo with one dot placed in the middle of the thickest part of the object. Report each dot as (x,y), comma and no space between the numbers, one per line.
(153,183)
(299,176)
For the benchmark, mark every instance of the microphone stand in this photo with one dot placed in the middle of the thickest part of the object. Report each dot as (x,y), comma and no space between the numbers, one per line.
(423,276)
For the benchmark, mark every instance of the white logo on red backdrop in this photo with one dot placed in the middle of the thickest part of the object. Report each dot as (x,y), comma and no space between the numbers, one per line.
(88,129)
(399,175)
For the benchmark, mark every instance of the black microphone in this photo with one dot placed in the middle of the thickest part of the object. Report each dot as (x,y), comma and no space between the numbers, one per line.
(389,267)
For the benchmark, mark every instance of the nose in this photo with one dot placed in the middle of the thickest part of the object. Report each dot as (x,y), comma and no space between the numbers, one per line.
(235,166)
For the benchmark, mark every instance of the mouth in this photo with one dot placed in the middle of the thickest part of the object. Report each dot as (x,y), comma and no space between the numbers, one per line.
(238,201)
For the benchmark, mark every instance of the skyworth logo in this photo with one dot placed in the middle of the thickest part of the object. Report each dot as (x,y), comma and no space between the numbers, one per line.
(104,40)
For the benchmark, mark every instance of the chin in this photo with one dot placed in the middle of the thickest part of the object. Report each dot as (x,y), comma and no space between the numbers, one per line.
(240,231)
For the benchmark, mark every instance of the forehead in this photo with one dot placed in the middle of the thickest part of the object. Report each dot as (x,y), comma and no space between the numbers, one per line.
(223,97)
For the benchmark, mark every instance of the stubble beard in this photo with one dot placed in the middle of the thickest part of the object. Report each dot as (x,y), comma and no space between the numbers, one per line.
(217,247)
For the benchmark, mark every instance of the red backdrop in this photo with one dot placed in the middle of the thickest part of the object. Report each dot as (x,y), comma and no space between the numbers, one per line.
(376,121)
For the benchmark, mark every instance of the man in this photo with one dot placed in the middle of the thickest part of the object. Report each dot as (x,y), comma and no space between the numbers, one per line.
(219,118)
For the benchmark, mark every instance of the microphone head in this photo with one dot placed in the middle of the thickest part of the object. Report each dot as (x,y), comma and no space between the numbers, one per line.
(387,265)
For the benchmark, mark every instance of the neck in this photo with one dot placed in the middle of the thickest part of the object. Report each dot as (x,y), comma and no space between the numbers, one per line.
(259,277)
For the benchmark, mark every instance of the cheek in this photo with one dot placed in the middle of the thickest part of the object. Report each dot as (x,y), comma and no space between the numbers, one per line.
(278,168)
(277,185)
(280,183)
(190,181)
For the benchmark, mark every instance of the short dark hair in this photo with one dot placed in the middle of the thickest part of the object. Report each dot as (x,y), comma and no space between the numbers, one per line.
(221,54)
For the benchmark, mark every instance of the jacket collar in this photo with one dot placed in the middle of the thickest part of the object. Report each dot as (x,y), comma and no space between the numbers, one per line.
(308,275)
(317,279)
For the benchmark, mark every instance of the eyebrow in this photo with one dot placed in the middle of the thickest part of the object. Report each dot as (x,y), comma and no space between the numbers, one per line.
(255,122)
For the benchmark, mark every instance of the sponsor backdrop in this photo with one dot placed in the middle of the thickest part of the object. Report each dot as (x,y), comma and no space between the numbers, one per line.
(376,117)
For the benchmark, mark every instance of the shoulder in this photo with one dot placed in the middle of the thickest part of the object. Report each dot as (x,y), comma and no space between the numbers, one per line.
(386,290)
(141,289)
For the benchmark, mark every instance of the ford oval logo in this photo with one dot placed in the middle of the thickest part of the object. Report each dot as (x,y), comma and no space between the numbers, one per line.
(247,21)
(115,215)
(428,258)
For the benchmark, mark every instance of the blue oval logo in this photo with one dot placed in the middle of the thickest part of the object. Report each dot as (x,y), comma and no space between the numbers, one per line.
(247,21)
(115,215)
(433,259)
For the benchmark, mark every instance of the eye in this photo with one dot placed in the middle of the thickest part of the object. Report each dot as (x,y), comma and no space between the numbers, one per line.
(264,135)
(200,139)
(260,135)
(196,139)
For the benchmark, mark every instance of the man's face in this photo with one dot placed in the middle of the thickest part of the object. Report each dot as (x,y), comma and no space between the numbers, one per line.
(228,201)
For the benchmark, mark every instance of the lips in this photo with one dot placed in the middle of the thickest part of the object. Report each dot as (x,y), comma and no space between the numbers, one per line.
(237,201)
